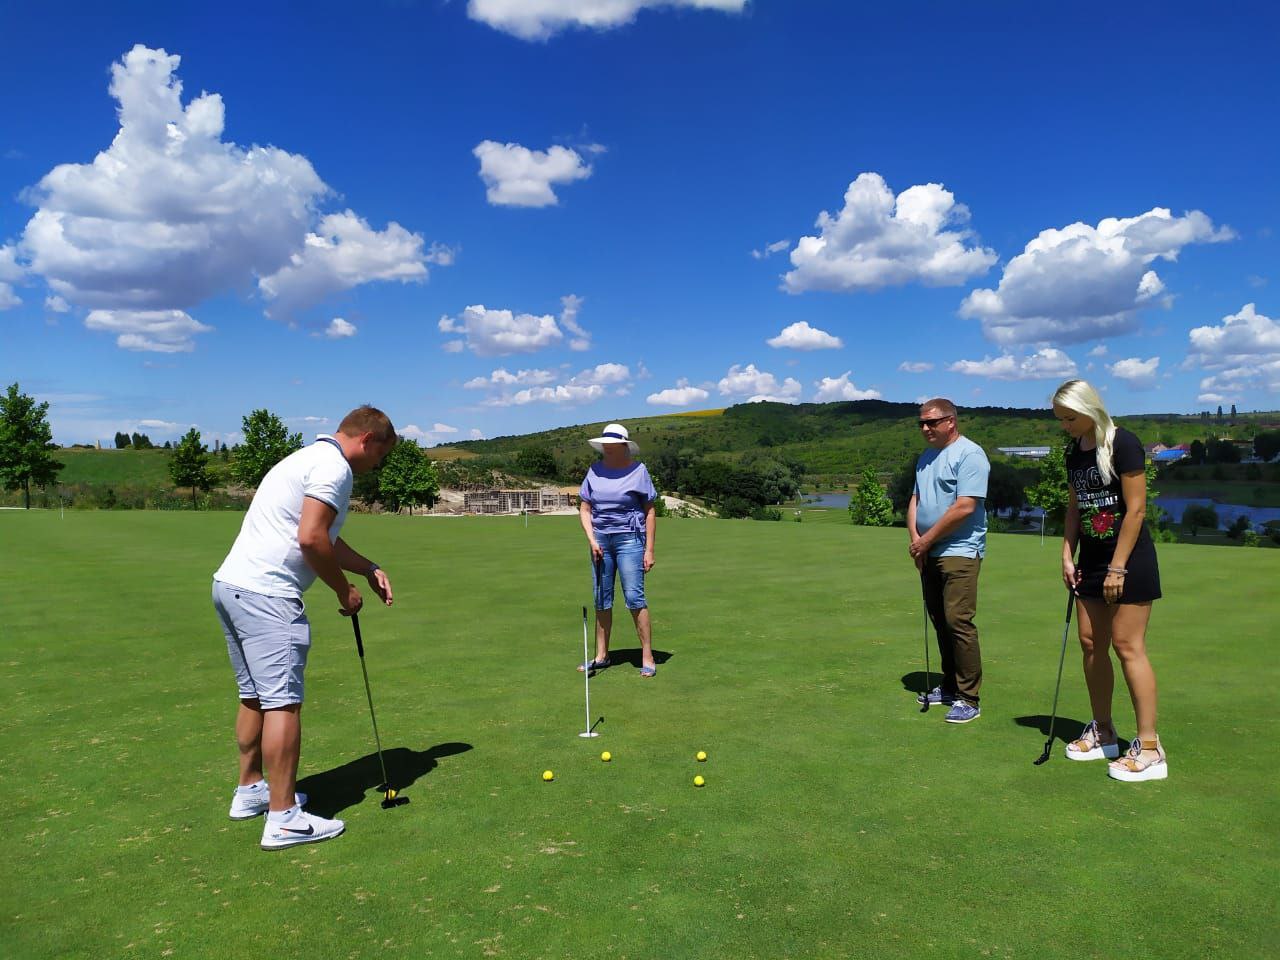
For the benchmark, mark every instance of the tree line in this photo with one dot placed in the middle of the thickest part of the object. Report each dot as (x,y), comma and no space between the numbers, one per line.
(405,479)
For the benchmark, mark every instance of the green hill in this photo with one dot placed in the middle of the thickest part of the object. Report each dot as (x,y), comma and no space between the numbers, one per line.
(833,442)
(114,466)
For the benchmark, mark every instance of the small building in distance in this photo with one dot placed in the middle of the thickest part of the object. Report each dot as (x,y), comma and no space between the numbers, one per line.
(542,500)
(1025,453)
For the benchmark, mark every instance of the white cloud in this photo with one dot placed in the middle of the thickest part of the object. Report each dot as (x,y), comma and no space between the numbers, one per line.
(915,366)
(1045,364)
(841,388)
(758,385)
(344,253)
(540,387)
(878,240)
(56,304)
(339,329)
(10,273)
(1138,373)
(541,19)
(1244,350)
(498,333)
(570,305)
(564,393)
(159,331)
(770,249)
(442,255)
(1083,283)
(1211,398)
(504,378)
(681,395)
(1241,337)
(515,176)
(1099,351)
(168,426)
(170,214)
(801,336)
(604,374)
(476,434)
(438,433)
(10,270)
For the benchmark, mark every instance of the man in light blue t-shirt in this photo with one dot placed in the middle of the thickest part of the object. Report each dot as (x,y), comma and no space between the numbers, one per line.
(947,521)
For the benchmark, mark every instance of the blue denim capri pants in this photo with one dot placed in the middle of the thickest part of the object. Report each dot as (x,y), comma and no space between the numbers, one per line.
(623,554)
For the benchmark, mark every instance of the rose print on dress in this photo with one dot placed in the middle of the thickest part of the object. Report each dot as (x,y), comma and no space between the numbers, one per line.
(1102,523)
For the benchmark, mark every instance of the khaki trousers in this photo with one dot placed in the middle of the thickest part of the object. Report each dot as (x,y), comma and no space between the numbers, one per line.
(951,597)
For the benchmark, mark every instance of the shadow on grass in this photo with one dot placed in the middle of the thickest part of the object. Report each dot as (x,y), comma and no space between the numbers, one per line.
(1065,729)
(914,682)
(332,791)
(631,656)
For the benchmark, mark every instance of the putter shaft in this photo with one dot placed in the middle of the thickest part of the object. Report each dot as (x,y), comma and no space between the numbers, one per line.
(377,740)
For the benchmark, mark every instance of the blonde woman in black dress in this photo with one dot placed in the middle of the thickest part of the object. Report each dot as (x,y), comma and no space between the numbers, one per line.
(1115,578)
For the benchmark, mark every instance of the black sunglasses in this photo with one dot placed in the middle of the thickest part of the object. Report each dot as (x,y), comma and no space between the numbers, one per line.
(934,421)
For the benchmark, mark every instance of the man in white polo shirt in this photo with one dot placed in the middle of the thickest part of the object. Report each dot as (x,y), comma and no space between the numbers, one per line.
(289,538)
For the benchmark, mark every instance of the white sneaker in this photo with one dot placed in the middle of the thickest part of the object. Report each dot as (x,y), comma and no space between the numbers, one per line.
(254,802)
(302,827)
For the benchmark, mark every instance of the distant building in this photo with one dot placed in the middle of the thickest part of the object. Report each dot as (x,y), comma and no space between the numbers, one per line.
(1169,455)
(543,500)
(1025,453)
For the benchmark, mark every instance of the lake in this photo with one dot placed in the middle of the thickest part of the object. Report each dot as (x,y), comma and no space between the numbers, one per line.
(1174,506)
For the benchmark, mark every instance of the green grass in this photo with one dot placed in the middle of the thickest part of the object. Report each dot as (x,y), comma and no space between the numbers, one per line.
(837,820)
(137,467)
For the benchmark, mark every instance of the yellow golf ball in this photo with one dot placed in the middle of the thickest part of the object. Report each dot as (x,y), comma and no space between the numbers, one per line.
(698,781)
(548,775)
(606,756)
(392,793)
(700,756)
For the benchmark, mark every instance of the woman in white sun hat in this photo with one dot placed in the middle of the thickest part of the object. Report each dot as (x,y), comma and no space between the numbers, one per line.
(617,512)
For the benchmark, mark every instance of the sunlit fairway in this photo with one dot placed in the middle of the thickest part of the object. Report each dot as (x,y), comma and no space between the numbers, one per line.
(836,821)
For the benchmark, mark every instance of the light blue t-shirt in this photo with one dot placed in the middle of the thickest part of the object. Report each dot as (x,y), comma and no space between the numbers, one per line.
(618,497)
(960,469)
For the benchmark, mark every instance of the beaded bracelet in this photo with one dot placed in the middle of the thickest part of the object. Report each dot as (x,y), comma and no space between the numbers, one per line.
(1118,570)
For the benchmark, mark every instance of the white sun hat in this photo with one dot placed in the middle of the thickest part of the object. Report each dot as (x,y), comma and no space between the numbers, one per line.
(614,433)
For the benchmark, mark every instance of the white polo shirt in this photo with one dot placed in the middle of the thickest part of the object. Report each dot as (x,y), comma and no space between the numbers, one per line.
(266,557)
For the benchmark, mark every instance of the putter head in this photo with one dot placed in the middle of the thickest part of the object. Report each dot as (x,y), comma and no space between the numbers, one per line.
(391,798)
(1044,756)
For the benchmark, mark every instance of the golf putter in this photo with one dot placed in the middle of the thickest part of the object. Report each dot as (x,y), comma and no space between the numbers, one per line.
(390,796)
(1053,714)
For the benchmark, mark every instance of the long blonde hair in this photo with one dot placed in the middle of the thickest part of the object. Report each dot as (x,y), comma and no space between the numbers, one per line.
(1079,396)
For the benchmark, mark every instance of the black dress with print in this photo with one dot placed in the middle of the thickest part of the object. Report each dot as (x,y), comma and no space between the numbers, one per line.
(1101,512)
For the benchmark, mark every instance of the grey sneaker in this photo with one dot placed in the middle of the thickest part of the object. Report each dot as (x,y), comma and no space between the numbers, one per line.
(247,804)
(962,711)
(937,696)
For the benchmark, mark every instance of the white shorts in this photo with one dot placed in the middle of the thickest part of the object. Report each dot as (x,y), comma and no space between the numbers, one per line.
(268,639)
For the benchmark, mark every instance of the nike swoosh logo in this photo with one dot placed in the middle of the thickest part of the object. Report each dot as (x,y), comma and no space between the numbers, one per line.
(311,828)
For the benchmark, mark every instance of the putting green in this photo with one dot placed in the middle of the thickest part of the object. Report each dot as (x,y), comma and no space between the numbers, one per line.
(836,819)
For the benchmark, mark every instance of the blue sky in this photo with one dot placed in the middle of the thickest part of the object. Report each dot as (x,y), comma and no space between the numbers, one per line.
(492,217)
